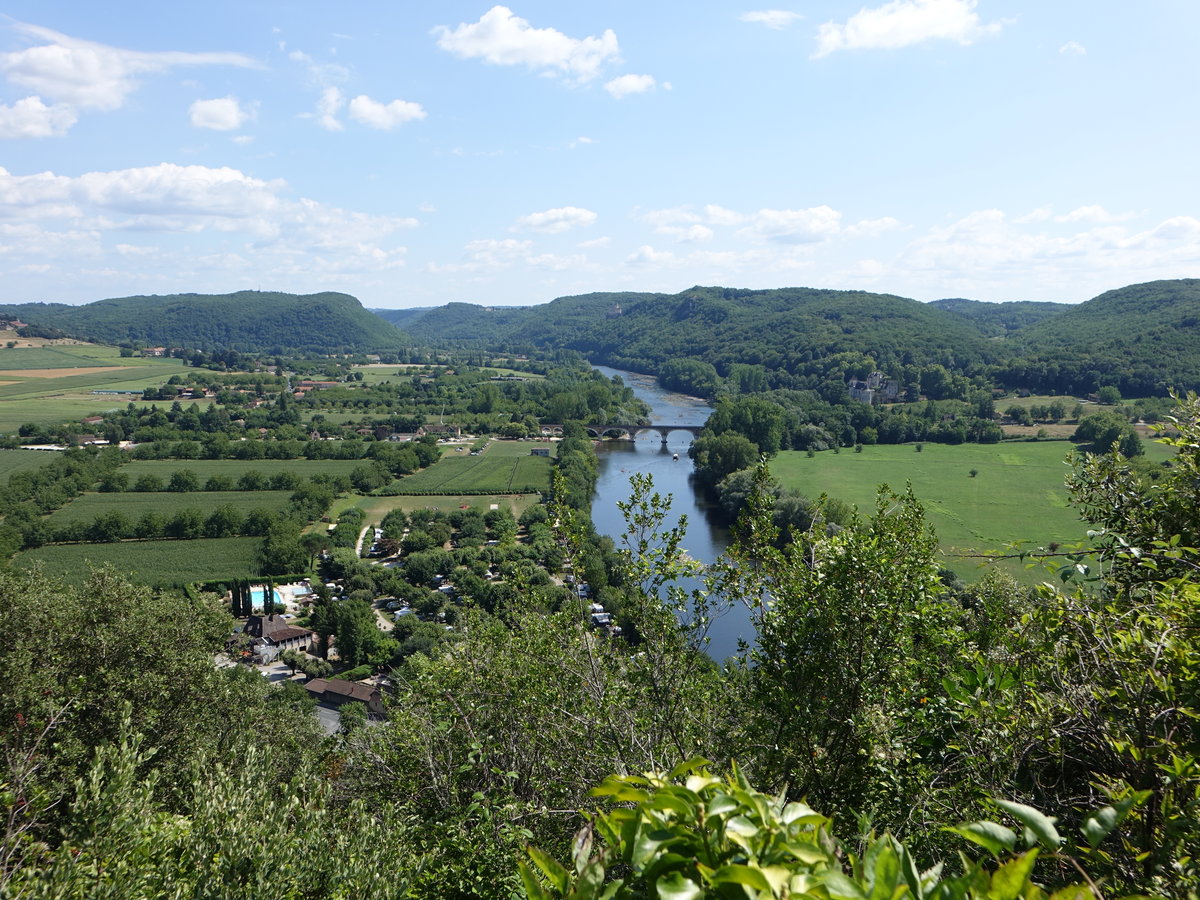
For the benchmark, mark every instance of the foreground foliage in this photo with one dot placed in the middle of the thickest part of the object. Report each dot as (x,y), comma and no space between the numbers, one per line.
(688,835)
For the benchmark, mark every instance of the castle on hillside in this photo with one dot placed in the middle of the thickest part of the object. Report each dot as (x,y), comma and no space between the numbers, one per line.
(875,388)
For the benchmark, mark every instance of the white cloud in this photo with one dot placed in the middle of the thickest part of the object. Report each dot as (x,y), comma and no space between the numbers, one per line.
(580,141)
(242,139)
(168,198)
(503,39)
(328,105)
(985,254)
(221,114)
(31,118)
(1041,214)
(624,85)
(1096,214)
(776,19)
(792,226)
(87,75)
(384,116)
(595,242)
(902,23)
(646,255)
(556,221)
(872,227)
(718,215)
(1073,48)
(687,234)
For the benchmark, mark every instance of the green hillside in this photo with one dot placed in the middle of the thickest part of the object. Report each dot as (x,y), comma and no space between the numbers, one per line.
(1000,319)
(1143,338)
(458,324)
(244,321)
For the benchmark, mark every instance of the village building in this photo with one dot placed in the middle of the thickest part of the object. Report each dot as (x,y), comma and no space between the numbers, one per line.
(336,691)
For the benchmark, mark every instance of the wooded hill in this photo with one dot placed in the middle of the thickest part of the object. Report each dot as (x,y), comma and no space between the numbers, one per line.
(245,321)
(1141,339)
(1144,338)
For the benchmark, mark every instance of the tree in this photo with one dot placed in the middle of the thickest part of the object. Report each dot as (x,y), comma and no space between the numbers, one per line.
(1105,431)
(359,639)
(852,626)
(717,456)
(183,480)
(281,553)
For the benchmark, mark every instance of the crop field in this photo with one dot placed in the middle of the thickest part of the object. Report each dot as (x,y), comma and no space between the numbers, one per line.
(150,562)
(499,470)
(44,395)
(235,468)
(16,358)
(1017,494)
(132,504)
(21,461)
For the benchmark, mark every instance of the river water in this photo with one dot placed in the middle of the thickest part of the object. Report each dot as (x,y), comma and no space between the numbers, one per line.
(619,460)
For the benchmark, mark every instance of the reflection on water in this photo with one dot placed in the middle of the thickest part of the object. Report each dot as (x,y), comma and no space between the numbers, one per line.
(619,460)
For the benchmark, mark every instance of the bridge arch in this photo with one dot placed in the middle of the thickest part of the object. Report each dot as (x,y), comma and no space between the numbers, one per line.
(630,432)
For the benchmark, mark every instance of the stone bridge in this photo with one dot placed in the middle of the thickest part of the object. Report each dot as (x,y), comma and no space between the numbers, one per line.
(629,432)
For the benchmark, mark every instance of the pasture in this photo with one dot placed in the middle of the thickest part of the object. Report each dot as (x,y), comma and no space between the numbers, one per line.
(505,467)
(133,504)
(1017,495)
(235,468)
(150,562)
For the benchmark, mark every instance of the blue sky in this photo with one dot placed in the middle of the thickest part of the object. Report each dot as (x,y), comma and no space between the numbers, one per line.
(414,154)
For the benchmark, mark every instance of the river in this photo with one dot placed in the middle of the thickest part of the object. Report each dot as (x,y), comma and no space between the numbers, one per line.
(706,539)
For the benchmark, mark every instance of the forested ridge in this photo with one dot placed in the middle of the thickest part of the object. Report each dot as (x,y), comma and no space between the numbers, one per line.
(265,321)
(1140,339)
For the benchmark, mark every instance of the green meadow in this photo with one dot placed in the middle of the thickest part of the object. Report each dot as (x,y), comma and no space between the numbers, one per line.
(150,562)
(1016,495)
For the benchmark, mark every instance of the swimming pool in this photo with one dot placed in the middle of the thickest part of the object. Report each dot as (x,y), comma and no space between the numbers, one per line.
(259,593)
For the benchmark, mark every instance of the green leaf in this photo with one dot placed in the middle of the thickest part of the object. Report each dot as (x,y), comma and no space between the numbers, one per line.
(533,887)
(991,835)
(687,767)
(883,871)
(1098,825)
(749,876)
(553,869)
(1009,881)
(676,887)
(842,888)
(1036,823)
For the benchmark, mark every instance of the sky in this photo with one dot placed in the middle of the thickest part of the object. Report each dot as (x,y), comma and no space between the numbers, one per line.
(414,154)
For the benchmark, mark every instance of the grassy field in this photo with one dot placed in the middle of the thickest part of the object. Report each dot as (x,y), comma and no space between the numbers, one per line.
(21,461)
(132,504)
(235,468)
(150,562)
(1017,495)
(506,467)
